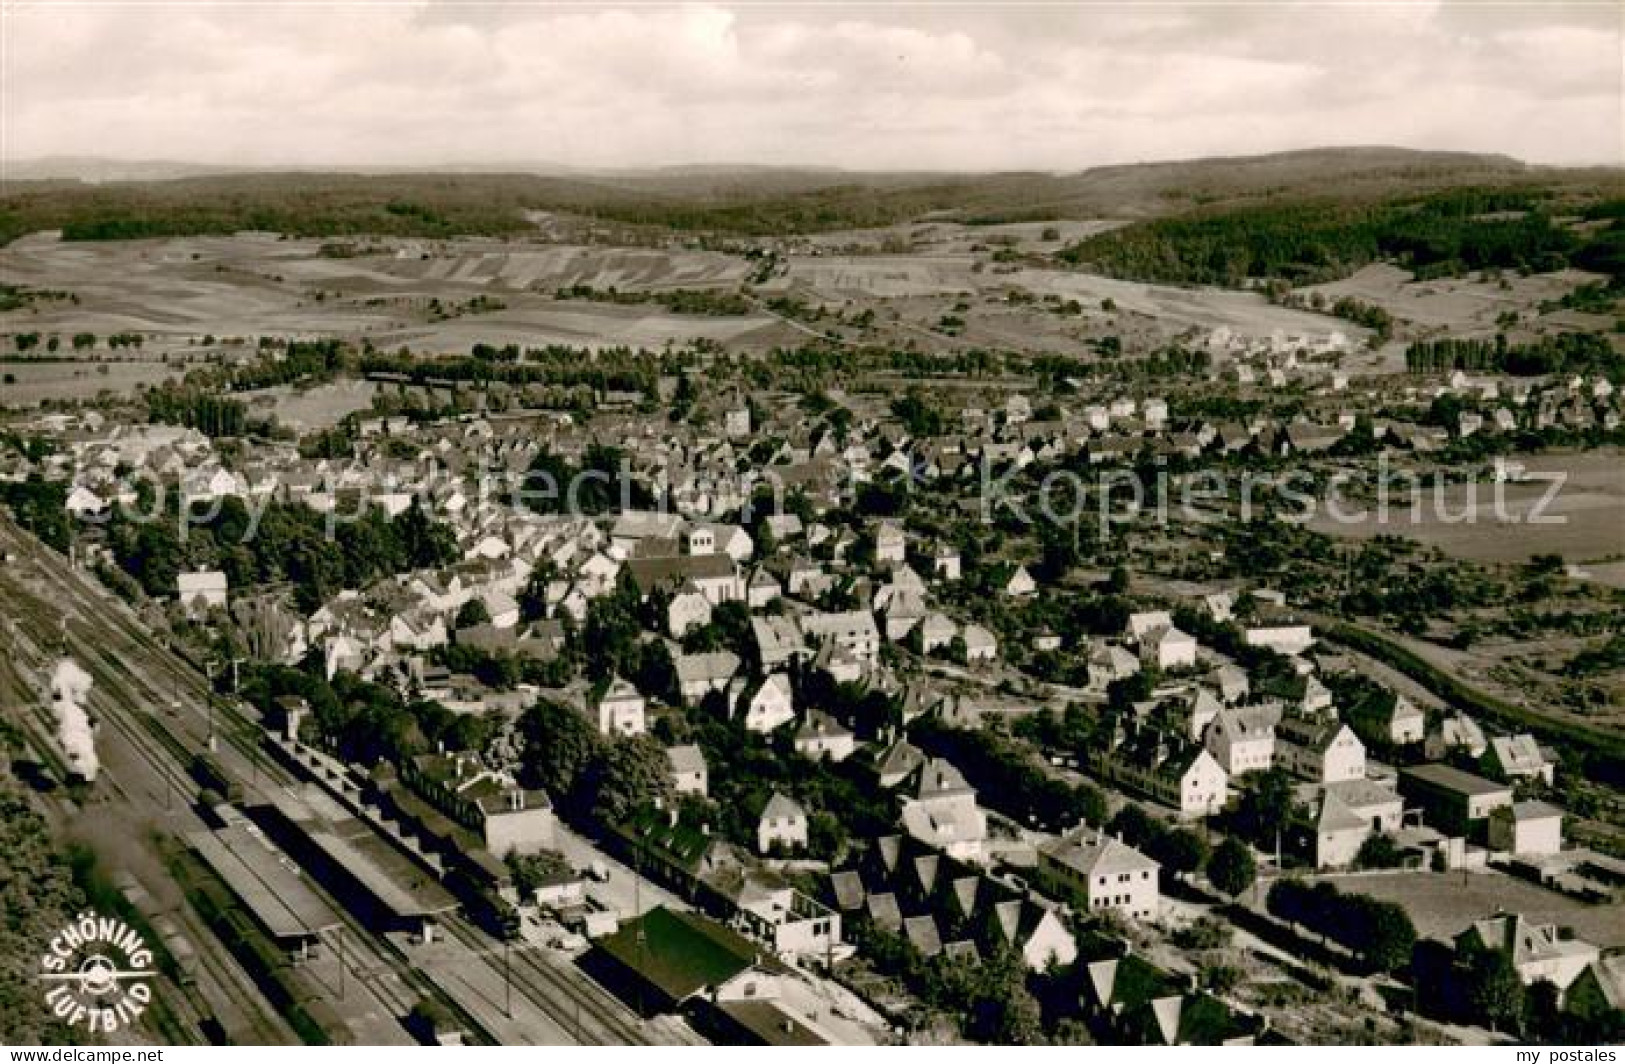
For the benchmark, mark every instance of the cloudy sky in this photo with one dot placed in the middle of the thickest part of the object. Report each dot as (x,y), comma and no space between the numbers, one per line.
(864,86)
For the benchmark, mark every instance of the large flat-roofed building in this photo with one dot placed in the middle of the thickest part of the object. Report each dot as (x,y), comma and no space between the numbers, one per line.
(1452,800)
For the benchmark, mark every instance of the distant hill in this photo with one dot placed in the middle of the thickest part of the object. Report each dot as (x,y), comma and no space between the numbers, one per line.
(725,199)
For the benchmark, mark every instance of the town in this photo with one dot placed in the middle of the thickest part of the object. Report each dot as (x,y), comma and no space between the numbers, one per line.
(720,683)
(1165,603)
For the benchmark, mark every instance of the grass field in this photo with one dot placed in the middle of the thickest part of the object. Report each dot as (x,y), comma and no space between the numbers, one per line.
(1588,512)
(28,383)
(1464,306)
(1442,905)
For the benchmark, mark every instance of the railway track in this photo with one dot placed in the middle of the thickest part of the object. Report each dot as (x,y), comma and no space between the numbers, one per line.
(591,1015)
(77,608)
(218,999)
(72,609)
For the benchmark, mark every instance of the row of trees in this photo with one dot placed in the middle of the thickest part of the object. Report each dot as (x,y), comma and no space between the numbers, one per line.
(1379,934)
(1564,353)
(211,414)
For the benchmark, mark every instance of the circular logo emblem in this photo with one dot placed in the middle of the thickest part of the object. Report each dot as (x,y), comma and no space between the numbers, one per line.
(98,972)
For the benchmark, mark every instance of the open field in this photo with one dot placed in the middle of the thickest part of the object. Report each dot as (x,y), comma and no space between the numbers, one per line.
(1462,306)
(313,409)
(943,237)
(447,295)
(1442,906)
(394,292)
(836,279)
(28,383)
(1588,512)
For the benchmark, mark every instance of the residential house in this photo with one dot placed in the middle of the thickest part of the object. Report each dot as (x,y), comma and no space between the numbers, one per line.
(1109,663)
(770,705)
(1168,648)
(853,631)
(689,774)
(1527,829)
(1537,951)
(201,590)
(1143,624)
(891,545)
(1182,775)
(778,641)
(980,645)
(935,632)
(823,737)
(762,588)
(1456,732)
(1519,757)
(1242,739)
(1035,932)
(1597,997)
(1320,749)
(688,610)
(700,674)
(1405,723)
(943,813)
(1100,873)
(900,761)
(782,824)
(1021,583)
(1288,639)
(619,709)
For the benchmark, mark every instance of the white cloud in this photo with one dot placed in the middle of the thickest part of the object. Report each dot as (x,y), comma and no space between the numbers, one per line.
(857,86)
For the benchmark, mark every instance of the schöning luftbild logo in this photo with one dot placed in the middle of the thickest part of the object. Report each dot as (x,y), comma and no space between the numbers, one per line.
(98,972)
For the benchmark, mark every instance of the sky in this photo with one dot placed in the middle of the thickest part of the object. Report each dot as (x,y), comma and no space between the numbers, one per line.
(903,86)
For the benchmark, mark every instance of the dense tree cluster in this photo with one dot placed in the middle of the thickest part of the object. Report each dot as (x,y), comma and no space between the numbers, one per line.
(1231,868)
(615,369)
(211,414)
(1181,851)
(988,997)
(1311,240)
(363,721)
(290,543)
(39,897)
(1011,777)
(39,505)
(592,777)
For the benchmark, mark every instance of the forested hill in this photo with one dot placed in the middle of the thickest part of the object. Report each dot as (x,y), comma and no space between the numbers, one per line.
(1319,238)
(731,200)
